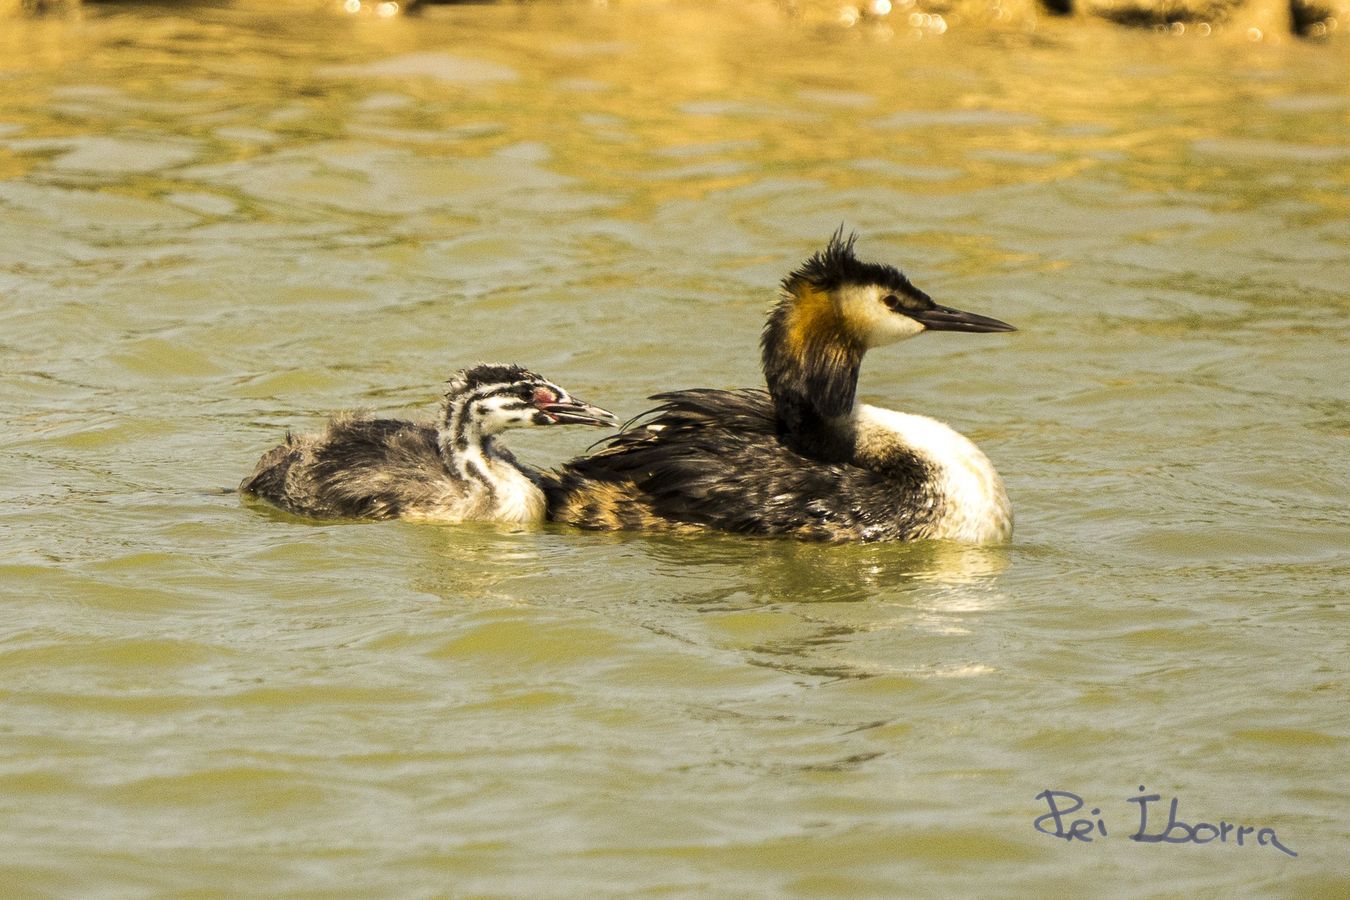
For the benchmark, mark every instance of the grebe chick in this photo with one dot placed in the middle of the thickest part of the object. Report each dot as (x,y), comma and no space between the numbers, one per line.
(450,471)
(802,459)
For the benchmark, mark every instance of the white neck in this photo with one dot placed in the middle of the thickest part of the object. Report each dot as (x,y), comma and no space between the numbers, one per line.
(503,492)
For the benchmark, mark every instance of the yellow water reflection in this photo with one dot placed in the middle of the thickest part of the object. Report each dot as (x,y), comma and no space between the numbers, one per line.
(217,222)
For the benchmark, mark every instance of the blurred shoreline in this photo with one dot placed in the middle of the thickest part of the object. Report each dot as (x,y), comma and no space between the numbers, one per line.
(1246,20)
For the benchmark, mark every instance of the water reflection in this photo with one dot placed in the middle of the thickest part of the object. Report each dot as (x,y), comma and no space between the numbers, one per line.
(818,611)
(824,611)
(772,571)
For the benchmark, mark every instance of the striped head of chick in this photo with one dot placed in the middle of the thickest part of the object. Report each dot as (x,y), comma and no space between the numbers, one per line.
(488,399)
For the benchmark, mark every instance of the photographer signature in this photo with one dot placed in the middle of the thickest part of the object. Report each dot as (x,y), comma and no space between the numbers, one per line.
(1063,804)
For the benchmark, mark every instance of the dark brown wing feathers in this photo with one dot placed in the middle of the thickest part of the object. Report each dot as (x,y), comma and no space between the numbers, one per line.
(713,458)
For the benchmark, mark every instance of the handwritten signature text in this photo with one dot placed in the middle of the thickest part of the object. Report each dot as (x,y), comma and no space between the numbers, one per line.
(1063,804)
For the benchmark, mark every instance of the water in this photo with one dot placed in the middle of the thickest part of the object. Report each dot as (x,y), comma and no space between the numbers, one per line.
(218,223)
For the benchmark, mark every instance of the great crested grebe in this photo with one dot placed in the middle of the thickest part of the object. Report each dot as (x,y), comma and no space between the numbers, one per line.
(802,459)
(450,471)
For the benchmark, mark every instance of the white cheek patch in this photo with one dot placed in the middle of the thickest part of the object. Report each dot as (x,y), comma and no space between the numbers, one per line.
(863,309)
(493,415)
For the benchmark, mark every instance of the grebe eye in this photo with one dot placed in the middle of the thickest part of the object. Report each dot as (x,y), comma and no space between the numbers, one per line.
(893,303)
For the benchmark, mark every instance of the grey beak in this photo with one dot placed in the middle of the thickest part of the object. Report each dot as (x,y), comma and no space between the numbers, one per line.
(577,412)
(944,318)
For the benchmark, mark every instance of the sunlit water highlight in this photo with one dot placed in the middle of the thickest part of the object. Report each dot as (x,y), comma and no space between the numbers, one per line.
(218,223)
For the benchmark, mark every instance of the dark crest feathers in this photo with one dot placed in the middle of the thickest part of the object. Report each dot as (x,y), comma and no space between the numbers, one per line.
(836,265)
(487,373)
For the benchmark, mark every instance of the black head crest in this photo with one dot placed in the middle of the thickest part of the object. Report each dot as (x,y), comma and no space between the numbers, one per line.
(475,377)
(837,265)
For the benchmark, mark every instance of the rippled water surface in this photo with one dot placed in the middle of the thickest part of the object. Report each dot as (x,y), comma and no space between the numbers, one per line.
(220,222)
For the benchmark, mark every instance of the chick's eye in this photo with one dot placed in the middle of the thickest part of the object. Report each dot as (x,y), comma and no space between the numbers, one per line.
(893,302)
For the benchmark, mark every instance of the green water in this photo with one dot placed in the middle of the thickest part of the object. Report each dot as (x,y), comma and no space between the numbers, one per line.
(220,222)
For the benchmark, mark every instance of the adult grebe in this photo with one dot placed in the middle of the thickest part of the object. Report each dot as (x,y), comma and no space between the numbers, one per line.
(801,459)
(450,471)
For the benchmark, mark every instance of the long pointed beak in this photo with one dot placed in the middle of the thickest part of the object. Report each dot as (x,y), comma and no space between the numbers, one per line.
(577,412)
(944,318)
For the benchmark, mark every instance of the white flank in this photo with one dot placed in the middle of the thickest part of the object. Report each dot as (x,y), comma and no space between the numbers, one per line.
(976,507)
